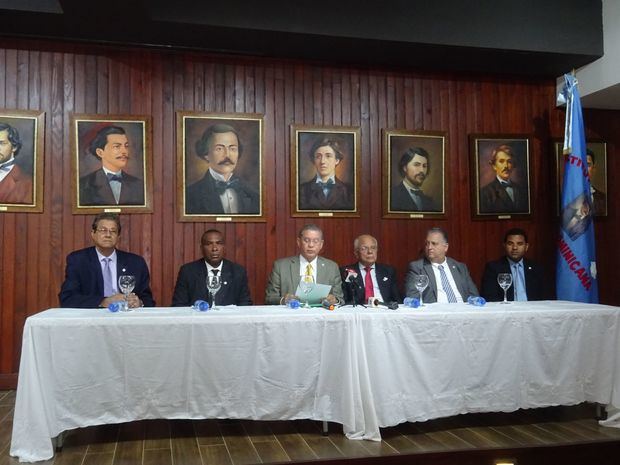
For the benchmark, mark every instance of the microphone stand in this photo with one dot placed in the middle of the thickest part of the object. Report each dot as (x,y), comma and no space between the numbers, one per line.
(354,287)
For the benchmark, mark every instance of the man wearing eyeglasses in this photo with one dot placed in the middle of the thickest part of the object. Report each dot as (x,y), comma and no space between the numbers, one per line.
(288,272)
(367,278)
(91,275)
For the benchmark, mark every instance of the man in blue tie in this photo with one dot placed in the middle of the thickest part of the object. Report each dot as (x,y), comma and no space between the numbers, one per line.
(110,185)
(529,281)
(503,194)
(91,274)
(448,280)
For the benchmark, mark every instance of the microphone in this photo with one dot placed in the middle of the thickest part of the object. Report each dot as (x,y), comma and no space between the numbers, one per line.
(372,302)
(327,304)
(351,274)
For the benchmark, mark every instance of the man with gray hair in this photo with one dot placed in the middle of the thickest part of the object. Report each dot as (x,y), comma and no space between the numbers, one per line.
(288,272)
(448,280)
(220,191)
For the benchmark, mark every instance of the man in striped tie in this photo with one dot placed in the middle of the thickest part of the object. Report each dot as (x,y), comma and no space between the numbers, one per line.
(448,280)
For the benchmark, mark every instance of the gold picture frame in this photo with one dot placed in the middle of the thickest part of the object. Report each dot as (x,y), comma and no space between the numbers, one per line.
(106,144)
(337,165)
(414,174)
(500,173)
(220,167)
(22,135)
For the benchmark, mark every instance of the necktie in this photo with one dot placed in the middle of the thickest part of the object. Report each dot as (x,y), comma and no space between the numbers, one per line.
(519,285)
(326,186)
(221,186)
(369,288)
(309,270)
(215,271)
(108,285)
(508,188)
(446,285)
(114,177)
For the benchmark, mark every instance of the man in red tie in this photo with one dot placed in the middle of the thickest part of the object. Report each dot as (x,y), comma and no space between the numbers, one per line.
(367,278)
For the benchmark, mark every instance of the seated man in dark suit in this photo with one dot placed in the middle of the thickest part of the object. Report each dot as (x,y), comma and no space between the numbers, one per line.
(528,278)
(92,274)
(192,279)
(448,280)
(373,279)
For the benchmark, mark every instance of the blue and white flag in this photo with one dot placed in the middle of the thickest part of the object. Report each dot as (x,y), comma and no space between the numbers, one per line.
(576,264)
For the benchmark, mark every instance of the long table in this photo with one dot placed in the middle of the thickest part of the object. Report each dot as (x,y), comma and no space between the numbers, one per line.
(362,368)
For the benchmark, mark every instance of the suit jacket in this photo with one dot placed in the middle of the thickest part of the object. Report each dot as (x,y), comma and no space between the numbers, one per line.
(400,200)
(16,187)
(202,198)
(285,277)
(460,273)
(83,285)
(95,190)
(340,197)
(495,199)
(192,285)
(386,280)
(535,281)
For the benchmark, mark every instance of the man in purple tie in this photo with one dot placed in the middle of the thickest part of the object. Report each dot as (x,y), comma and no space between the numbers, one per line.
(91,275)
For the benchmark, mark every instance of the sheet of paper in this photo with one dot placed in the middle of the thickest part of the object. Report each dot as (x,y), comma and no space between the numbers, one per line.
(316,294)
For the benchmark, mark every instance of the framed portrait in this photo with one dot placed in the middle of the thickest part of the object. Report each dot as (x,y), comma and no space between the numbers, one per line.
(21,160)
(596,154)
(414,174)
(500,172)
(111,166)
(325,171)
(220,167)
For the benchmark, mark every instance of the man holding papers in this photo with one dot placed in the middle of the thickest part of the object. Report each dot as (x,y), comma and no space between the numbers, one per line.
(287,273)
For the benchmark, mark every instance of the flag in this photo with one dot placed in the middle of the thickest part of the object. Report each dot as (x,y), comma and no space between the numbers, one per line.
(576,262)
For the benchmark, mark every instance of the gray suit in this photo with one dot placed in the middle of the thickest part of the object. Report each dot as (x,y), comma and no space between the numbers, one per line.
(460,273)
(284,278)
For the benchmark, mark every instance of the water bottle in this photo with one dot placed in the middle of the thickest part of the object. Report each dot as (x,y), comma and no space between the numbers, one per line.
(116,306)
(293,303)
(476,301)
(201,306)
(412,302)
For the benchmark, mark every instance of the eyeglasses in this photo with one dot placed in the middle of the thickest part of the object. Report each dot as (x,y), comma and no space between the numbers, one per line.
(367,248)
(104,231)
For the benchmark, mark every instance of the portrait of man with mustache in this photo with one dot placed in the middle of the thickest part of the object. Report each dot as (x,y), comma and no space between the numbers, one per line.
(414,167)
(221,191)
(503,194)
(111,184)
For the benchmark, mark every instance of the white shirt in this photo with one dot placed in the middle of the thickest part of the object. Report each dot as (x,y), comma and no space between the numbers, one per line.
(5,173)
(211,268)
(229,199)
(114,185)
(373,275)
(303,263)
(442,297)
(113,261)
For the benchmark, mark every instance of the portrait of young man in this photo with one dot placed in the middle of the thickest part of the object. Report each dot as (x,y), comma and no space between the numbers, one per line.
(324,171)
(414,173)
(501,176)
(220,166)
(21,157)
(110,157)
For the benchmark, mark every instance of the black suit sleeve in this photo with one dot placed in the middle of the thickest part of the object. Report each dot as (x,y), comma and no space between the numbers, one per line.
(394,292)
(181,296)
(490,290)
(143,289)
(72,291)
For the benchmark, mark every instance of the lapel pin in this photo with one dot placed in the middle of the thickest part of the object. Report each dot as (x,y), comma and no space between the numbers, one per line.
(385,278)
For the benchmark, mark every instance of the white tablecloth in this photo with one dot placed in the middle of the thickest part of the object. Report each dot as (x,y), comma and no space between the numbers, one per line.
(363,368)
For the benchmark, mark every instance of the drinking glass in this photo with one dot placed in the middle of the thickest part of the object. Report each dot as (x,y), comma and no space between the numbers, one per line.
(421,282)
(306,287)
(505,281)
(214,283)
(126,284)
